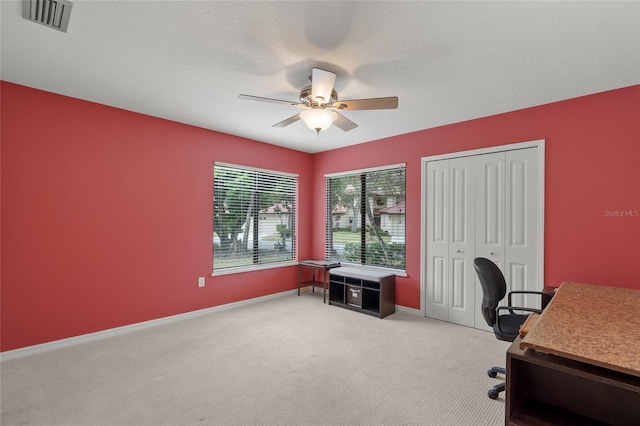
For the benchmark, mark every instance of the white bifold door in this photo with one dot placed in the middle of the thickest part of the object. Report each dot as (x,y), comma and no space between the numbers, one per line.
(479,206)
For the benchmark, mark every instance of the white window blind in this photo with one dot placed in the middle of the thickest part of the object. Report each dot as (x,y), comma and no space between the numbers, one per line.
(366,217)
(254,218)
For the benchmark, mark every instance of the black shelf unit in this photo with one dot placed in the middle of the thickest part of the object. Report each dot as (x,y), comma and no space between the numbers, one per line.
(363,290)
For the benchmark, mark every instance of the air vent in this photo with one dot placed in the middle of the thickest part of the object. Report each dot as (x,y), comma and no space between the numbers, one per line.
(51,13)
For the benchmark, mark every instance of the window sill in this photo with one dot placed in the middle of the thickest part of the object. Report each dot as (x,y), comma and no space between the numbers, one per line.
(253,268)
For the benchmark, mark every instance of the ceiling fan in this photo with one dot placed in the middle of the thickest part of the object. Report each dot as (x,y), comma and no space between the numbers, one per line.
(321,104)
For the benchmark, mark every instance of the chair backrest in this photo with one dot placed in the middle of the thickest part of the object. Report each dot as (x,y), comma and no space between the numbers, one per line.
(494,287)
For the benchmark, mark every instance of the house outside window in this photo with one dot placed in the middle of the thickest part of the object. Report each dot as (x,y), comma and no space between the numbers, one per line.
(254,218)
(366,217)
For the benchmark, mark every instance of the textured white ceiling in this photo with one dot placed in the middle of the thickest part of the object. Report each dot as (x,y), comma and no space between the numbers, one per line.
(188,61)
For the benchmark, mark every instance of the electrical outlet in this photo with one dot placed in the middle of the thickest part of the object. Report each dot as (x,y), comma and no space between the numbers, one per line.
(201,282)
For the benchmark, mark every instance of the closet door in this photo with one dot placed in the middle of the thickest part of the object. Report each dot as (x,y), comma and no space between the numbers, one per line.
(480,206)
(490,224)
(521,231)
(462,244)
(437,245)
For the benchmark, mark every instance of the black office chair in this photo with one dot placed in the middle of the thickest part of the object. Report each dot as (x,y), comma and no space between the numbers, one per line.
(505,326)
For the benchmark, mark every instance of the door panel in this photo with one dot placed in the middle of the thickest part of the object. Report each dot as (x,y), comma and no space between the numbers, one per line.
(490,187)
(460,203)
(463,241)
(437,220)
(518,203)
(439,268)
(521,253)
(517,281)
(458,279)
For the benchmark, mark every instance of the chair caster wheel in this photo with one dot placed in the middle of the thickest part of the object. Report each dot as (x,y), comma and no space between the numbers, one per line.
(493,394)
(492,373)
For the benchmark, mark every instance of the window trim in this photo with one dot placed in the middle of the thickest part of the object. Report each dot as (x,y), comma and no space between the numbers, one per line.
(367,170)
(256,169)
(253,268)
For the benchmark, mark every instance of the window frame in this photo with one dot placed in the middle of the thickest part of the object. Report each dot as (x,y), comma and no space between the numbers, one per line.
(256,266)
(329,219)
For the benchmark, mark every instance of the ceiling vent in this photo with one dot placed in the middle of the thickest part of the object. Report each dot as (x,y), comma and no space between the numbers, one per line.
(51,13)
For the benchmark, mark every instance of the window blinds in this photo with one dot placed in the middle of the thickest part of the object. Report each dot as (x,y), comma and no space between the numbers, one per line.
(253,216)
(366,217)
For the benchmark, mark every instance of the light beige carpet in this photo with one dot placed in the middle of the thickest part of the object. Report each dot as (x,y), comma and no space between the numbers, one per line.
(287,361)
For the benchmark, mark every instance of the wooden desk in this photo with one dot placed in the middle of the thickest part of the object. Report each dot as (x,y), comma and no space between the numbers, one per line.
(594,324)
(580,362)
(323,265)
(545,389)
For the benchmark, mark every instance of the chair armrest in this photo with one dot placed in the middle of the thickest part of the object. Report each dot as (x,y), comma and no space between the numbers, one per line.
(540,293)
(518,308)
(511,309)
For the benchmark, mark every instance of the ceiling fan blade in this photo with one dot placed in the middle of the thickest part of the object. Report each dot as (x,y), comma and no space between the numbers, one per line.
(321,85)
(288,121)
(344,123)
(277,101)
(363,104)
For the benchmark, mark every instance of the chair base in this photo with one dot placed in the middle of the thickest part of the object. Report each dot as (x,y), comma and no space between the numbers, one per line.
(493,371)
(494,392)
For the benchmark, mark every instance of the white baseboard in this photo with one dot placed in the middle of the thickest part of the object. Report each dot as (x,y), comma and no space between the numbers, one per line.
(408,310)
(91,337)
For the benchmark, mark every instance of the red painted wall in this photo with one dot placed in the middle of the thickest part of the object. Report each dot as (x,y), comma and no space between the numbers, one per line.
(592,170)
(106,214)
(107,217)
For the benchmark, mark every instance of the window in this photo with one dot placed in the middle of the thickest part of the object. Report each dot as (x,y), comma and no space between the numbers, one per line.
(254,217)
(366,217)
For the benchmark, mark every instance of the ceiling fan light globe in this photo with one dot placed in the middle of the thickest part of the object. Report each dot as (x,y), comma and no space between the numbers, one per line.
(318,119)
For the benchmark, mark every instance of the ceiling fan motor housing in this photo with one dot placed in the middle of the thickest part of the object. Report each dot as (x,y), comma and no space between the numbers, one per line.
(308,100)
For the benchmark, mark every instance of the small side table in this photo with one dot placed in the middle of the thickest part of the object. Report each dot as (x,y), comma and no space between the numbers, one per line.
(325,265)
